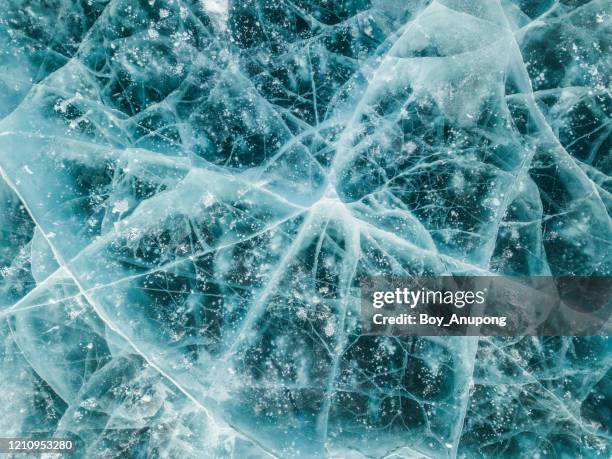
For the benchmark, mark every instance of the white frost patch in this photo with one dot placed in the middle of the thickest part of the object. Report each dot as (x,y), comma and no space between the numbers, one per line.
(215,6)
(133,234)
(28,170)
(218,10)
(409,147)
(208,199)
(61,106)
(120,206)
(330,328)
(458,181)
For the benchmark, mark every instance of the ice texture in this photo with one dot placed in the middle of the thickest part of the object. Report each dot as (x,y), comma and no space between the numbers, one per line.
(192,190)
